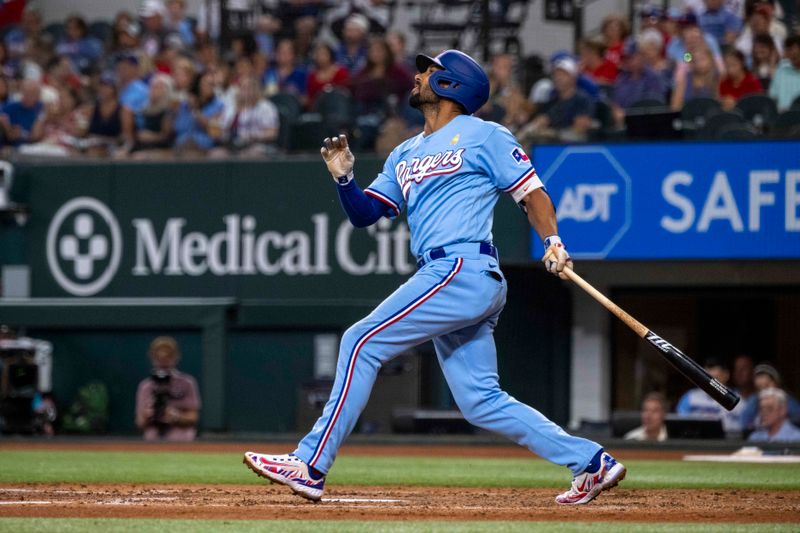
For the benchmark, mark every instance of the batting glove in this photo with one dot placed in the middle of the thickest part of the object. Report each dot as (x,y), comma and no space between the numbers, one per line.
(556,258)
(339,158)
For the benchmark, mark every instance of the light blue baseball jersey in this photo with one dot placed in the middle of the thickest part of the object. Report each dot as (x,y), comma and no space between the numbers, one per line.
(450,181)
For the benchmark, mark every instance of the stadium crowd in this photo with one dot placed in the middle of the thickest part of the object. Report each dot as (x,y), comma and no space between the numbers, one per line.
(765,413)
(155,84)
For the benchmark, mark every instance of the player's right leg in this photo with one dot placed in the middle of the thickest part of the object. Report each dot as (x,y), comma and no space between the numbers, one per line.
(468,359)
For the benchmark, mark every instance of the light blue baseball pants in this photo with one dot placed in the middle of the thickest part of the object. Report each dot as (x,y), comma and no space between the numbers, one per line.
(455,301)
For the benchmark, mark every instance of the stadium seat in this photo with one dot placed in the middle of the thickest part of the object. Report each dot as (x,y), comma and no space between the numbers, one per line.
(736,132)
(365,132)
(715,123)
(284,129)
(787,125)
(759,110)
(696,111)
(101,29)
(55,30)
(287,104)
(308,131)
(603,120)
(336,108)
(647,102)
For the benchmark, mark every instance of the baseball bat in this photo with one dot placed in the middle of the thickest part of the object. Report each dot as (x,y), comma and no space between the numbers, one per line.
(688,367)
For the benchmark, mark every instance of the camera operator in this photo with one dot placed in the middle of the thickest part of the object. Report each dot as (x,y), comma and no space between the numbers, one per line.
(167,402)
(26,402)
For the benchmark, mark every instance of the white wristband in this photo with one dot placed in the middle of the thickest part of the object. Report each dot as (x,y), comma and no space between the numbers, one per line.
(551,240)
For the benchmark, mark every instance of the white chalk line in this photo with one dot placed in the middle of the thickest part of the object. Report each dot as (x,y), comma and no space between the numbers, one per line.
(24,502)
(359,500)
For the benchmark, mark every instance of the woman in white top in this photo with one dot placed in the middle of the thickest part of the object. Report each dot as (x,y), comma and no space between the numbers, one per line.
(251,126)
(654,409)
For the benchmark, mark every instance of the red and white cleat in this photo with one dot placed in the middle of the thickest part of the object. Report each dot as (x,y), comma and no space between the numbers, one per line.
(586,486)
(287,470)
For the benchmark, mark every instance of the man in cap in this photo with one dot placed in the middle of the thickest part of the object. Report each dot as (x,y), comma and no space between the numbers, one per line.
(352,52)
(568,114)
(766,376)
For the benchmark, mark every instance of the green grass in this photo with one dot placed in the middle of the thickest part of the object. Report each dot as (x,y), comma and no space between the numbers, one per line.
(115,525)
(146,467)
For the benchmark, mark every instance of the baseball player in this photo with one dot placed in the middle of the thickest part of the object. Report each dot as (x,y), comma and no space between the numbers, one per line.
(448,178)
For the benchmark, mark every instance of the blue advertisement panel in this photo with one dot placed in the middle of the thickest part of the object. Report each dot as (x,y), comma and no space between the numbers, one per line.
(676,200)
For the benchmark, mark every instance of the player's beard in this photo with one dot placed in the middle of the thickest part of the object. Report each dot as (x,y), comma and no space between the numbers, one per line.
(419,99)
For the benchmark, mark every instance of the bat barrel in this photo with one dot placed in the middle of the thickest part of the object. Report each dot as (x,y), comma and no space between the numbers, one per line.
(696,374)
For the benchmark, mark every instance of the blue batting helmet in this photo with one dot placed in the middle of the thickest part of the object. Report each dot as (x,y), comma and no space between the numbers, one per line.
(462,78)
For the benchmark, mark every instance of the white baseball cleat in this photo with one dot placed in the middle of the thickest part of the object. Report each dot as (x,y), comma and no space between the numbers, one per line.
(287,470)
(587,485)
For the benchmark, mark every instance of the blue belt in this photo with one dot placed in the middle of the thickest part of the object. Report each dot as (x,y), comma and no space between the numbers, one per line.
(485,248)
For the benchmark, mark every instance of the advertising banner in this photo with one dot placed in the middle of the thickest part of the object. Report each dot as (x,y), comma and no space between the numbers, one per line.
(675,200)
(246,230)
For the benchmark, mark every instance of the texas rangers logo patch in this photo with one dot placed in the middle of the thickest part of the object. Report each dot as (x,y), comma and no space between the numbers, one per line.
(520,156)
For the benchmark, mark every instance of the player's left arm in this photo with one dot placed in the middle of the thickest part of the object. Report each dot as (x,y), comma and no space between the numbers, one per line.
(542,216)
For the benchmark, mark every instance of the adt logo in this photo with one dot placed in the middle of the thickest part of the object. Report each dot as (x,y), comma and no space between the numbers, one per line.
(592,194)
(83,246)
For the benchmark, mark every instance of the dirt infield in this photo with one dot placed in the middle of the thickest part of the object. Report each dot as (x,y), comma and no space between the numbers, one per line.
(265,501)
(391,503)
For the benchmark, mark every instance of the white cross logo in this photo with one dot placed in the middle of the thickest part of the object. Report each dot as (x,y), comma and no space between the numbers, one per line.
(83,246)
(70,246)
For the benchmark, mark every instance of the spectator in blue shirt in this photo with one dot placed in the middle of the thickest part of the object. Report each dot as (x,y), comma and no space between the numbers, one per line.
(133,94)
(199,117)
(720,23)
(285,76)
(635,82)
(696,402)
(775,425)
(352,53)
(22,120)
(21,40)
(765,377)
(178,22)
(81,48)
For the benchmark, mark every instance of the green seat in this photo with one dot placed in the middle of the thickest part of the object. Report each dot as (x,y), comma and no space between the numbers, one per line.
(759,110)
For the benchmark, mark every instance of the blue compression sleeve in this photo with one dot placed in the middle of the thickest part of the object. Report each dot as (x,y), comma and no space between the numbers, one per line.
(362,210)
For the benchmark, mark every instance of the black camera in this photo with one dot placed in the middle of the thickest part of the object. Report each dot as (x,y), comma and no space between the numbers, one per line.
(161,397)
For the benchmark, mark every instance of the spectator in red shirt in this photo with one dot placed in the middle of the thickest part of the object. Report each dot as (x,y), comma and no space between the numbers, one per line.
(325,72)
(380,81)
(738,81)
(595,64)
(615,30)
(11,12)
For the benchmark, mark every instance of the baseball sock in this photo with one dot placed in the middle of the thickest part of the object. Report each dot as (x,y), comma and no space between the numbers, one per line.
(314,473)
(594,464)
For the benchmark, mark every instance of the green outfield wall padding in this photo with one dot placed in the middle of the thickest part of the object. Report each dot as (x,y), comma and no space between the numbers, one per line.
(244,262)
